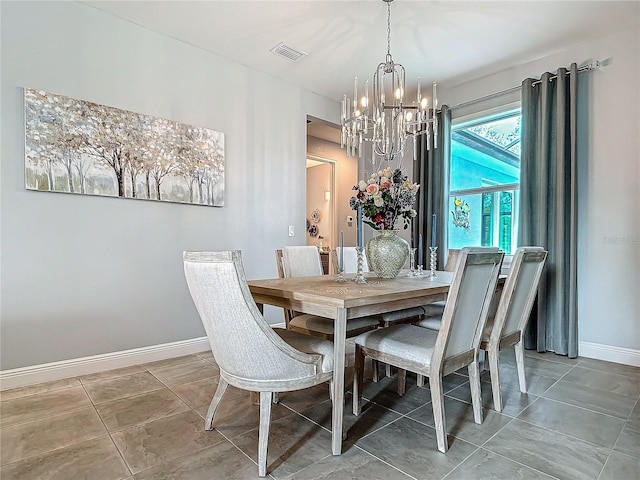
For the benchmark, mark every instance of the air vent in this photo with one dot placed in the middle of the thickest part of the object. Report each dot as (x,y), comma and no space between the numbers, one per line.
(289,52)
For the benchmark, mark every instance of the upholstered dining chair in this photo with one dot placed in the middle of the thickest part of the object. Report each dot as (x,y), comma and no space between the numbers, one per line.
(304,261)
(251,355)
(436,354)
(512,315)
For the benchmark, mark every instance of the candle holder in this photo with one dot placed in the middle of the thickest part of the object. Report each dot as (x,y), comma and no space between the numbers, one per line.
(433,260)
(340,278)
(419,271)
(359,278)
(412,262)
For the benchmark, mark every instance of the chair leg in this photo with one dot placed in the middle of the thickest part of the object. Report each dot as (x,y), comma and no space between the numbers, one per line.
(437,403)
(494,366)
(387,370)
(276,397)
(376,370)
(420,380)
(520,366)
(215,401)
(263,431)
(358,380)
(402,381)
(482,358)
(476,393)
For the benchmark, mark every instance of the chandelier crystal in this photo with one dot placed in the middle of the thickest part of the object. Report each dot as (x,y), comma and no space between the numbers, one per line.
(387,122)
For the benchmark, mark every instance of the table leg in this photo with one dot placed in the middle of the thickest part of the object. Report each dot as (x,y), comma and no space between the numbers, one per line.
(339,352)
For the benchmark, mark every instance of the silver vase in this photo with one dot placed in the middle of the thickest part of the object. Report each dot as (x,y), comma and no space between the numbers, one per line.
(387,253)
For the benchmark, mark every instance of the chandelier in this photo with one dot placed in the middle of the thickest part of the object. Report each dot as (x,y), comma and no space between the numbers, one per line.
(388,121)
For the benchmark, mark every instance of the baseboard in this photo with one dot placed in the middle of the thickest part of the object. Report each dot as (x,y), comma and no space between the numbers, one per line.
(20,377)
(628,356)
(46,372)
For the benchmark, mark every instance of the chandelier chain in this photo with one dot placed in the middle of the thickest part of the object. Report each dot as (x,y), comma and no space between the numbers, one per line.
(389,28)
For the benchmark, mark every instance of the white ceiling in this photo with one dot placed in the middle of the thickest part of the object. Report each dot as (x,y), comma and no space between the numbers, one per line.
(444,41)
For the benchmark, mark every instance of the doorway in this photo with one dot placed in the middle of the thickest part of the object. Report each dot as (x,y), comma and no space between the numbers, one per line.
(321,203)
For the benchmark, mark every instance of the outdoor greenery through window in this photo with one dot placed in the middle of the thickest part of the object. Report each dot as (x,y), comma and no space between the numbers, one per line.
(485,182)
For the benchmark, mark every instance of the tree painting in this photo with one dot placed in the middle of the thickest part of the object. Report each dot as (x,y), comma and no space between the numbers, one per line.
(76,146)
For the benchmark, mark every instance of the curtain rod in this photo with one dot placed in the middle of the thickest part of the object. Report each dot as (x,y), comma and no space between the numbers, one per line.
(589,66)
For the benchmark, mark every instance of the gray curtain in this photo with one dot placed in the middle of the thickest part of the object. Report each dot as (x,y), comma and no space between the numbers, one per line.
(431,171)
(548,205)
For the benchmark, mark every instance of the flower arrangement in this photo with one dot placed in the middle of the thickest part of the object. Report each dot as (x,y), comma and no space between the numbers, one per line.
(384,198)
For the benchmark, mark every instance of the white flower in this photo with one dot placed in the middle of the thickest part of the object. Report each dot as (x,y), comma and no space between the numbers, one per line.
(378,201)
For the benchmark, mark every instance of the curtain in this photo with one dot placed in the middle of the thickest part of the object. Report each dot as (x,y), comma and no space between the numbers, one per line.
(548,205)
(431,171)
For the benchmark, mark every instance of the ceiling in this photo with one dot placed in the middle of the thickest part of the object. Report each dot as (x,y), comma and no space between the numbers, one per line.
(440,40)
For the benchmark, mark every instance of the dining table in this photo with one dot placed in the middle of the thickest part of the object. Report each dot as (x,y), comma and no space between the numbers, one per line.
(326,296)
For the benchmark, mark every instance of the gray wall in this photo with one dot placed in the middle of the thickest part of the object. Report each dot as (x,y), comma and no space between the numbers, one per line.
(84,275)
(609,180)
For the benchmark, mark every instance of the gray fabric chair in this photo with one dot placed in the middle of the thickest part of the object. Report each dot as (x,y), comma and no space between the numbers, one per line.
(304,261)
(507,327)
(251,355)
(436,354)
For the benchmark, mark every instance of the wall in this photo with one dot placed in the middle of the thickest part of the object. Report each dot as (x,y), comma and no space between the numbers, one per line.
(346,178)
(609,187)
(84,275)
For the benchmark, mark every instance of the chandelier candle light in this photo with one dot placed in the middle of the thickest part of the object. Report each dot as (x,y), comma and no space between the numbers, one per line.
(388,121)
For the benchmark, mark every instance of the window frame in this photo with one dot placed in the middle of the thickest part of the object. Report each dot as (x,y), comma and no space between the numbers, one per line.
(481,117)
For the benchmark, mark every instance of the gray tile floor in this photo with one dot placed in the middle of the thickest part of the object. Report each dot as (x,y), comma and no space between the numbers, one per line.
(580,420)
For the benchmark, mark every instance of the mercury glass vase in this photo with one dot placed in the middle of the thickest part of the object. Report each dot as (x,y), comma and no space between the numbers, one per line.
(387,253)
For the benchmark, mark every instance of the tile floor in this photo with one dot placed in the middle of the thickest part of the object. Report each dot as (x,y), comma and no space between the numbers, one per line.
(580,420)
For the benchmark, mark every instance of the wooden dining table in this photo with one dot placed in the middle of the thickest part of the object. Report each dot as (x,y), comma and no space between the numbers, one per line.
(325,296)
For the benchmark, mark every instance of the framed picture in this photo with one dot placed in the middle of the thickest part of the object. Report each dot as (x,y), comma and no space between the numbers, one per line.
(76,146)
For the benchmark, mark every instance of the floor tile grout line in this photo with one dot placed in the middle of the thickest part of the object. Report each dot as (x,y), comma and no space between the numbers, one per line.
(511,419)
(39,393)
(517,462)
(57,414)
(630,374)
(623,427)
(124,460)
(598,389)
(31,457)
(573,437)
(581,407)
(384,461)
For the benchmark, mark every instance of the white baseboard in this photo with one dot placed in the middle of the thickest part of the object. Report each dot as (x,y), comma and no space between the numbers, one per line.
(628,356)
(20,377)
(46,372)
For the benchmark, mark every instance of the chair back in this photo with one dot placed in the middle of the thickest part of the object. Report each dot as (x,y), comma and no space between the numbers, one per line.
(452,260)
(519,291)
(350,258)
(301,261)
(243,344)
(465,312)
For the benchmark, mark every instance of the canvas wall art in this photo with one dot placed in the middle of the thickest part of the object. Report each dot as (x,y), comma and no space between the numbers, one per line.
(76,146)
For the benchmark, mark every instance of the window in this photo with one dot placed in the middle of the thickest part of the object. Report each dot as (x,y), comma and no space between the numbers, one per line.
(485,182)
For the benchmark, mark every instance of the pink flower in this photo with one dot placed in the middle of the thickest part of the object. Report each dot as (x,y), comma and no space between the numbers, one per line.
(372,189)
